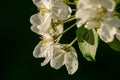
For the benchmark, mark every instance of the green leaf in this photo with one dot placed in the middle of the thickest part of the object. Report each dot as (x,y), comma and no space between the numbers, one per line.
(115,44)
(88,42)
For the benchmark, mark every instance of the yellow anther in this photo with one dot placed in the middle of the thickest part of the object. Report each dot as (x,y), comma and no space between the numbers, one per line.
(44,41)
(99,10)
(44,10)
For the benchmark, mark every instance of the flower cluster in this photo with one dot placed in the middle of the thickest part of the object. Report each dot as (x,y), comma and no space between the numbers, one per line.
(99,14)
(95,19)
(48,23)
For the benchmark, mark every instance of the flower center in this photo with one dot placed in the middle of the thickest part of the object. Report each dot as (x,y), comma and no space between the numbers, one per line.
(66,48)
(44,10)
(45,41)
(99,10)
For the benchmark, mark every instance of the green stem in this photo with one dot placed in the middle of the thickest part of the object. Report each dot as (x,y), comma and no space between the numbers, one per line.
(66,30)
(68,2)
(69,20)
(73,42)
(74,9)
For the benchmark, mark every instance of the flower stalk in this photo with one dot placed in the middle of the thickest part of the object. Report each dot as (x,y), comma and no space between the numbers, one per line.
(66,30)
(72,42)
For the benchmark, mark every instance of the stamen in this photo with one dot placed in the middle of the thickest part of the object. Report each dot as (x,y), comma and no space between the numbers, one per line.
(99,10)
(44,10)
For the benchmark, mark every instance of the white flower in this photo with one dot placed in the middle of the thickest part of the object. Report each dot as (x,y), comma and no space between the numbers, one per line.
(44,49)
(109,28)
(56,8)
(98,14)
(49,29)
(49,9)
(64,55)
(40,24)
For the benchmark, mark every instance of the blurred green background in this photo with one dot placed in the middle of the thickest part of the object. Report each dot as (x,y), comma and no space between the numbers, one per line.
(18,41)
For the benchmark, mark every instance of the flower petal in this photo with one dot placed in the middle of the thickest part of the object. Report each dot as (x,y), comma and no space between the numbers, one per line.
(84,15)
(48,56)
(37,50)
(86,4)
(36,2)
(60,11)
(34,29)
(80,23)
(113,21)
(107,32)
(108,4)
(35,20)
(45,22)
(46,52)
(58,57)
(59,29)
(92,24)
(57,60)
(71,62)
(40,22)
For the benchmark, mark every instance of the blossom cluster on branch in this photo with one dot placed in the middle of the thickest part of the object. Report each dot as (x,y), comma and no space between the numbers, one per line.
(95,19)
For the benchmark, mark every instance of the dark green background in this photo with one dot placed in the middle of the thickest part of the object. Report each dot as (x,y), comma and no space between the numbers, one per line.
(18,41)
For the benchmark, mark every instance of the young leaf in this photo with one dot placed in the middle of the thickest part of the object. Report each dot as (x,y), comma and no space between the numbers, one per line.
(88,42)
(115,44)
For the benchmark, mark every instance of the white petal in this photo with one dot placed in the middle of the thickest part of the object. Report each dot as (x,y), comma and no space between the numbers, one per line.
(37,50)
(86,4)
(42,3)
(48,3)
(106,32)
(45,22)
(48,56)
(34,29)
(41,51)
(73,51)
(39,3)
(71,63)
(40,22)
(80,4)
(57,59)
(60,11)
(44,50)
(46,61)
(35,20)
(36,2)
(113,21)
(92,24)
(108,4)
(59,29)
(80,23)
(85,14)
